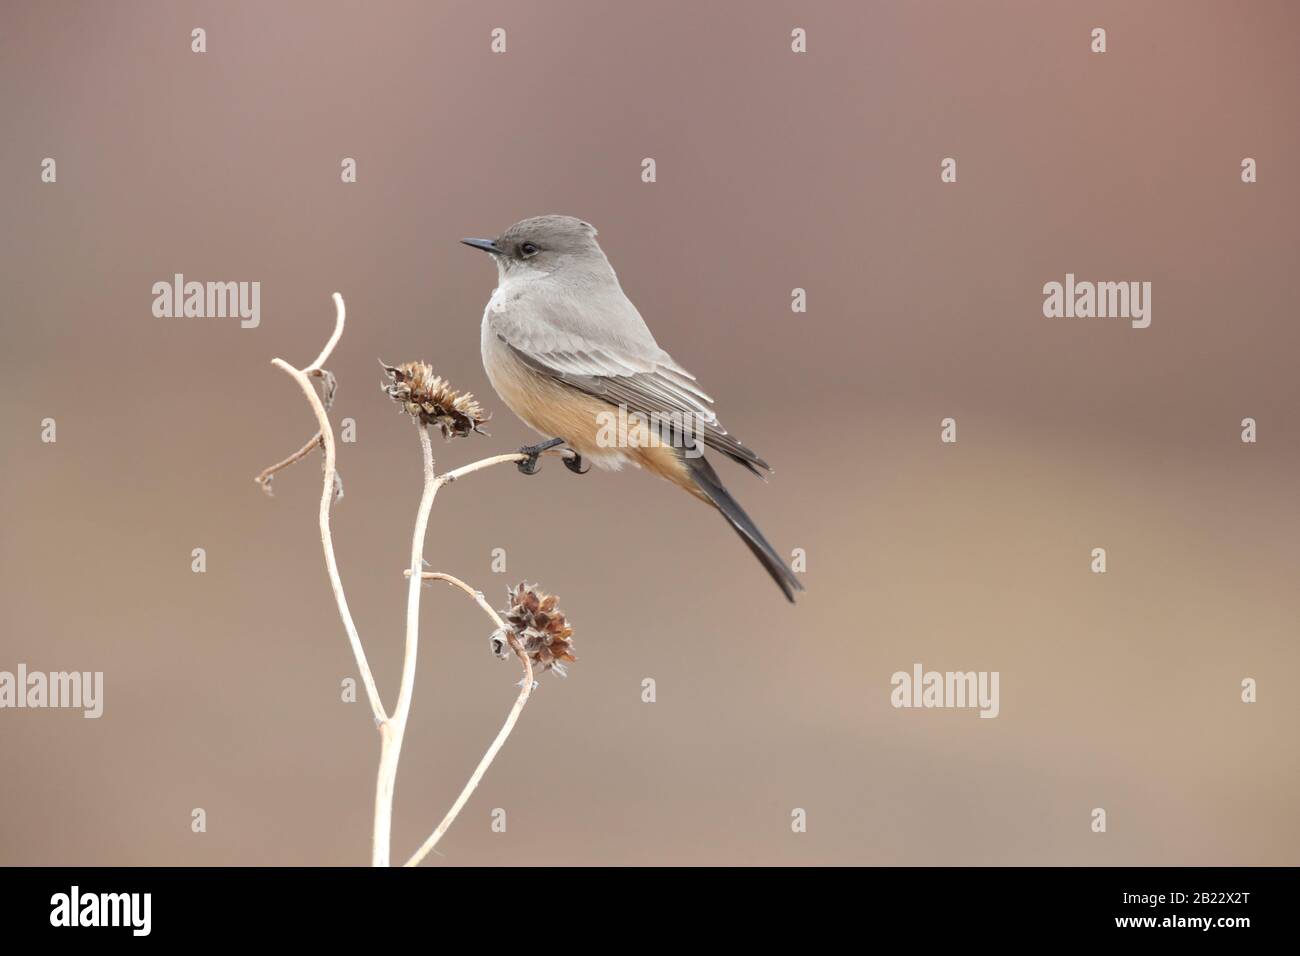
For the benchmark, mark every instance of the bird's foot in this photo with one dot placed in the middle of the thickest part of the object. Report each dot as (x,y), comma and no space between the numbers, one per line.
(530,466)
(573,462)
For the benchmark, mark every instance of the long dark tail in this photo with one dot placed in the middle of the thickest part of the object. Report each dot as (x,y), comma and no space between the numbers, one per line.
(707,481)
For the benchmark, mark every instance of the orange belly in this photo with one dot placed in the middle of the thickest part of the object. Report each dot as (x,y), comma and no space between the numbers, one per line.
(589,426)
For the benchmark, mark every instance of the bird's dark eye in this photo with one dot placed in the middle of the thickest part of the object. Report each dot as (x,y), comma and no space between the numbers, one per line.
(528,249)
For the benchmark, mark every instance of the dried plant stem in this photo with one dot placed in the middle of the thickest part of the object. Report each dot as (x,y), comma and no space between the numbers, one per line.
(526,688)
(301,376)
(264,479)
(472,592)
(488,463)
(448,477)
(394,730)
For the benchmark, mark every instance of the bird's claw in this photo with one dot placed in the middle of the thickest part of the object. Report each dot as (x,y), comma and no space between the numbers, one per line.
(574,464)
(529,465)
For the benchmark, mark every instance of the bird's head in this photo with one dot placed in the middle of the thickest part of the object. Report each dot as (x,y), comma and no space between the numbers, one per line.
(545,245)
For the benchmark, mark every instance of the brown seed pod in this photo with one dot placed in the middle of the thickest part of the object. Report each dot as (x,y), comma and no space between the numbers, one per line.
(540,627)
(429,400)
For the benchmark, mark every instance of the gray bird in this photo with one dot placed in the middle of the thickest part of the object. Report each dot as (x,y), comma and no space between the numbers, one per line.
(571,356)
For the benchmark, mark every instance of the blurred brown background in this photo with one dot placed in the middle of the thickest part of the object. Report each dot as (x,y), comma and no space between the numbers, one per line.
(774,171)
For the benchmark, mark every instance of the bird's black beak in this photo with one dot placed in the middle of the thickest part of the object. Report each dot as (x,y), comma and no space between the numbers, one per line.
(487,245)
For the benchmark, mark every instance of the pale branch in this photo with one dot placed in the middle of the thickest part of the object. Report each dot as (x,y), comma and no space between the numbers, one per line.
(394,731)
(472,592)
(318,367)
(264,479)
(525,689)
(326,432)
(450,476)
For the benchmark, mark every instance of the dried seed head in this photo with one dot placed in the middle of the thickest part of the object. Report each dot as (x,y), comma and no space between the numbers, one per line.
(540,627)
(431,401)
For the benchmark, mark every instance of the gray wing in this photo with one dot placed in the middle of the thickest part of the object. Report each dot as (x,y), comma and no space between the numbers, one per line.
(616,360)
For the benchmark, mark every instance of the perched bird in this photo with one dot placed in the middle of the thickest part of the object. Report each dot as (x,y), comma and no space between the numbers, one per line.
(571,356)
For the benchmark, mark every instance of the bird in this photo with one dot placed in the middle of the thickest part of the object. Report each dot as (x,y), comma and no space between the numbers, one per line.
(570,355)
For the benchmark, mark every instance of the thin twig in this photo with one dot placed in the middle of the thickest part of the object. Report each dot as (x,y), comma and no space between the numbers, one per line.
(394,731)
(526,688)
(318,367)
(264,479)
(449,477)
(476,594)
(301,376)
